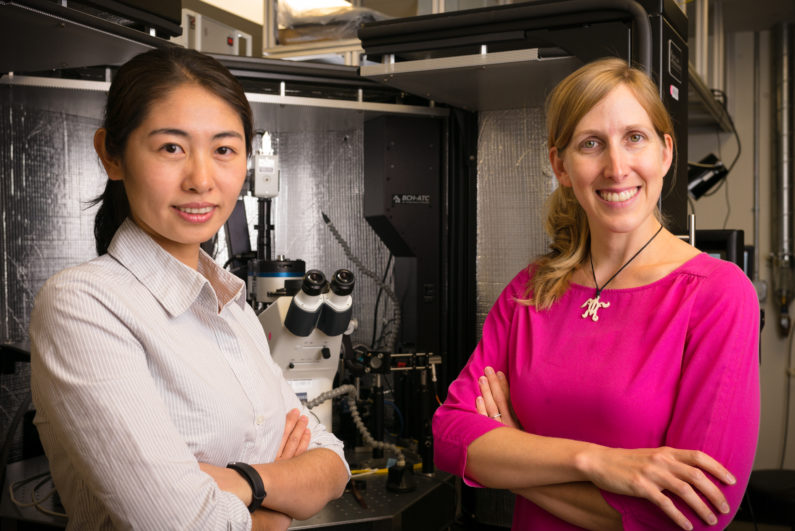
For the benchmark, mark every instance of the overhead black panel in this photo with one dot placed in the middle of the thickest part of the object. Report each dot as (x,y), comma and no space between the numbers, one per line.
(38,35)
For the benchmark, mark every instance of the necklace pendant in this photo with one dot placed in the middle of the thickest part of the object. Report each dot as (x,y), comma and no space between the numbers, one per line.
(593,306)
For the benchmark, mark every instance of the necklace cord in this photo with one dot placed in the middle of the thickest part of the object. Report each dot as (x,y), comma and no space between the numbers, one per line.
(609,280)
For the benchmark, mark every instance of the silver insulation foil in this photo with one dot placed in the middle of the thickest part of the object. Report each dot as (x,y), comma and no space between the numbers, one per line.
(50,173)
(514,180)
(322,171)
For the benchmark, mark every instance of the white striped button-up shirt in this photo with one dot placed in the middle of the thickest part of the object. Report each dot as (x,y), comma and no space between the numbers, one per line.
(143,367)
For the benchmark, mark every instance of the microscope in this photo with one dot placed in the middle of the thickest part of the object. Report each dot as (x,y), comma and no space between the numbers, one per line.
(304,315)
(305,334)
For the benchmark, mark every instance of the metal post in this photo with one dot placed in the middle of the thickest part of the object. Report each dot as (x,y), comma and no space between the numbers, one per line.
(756,155)
(760,285)
(783,259)
(702,37)
(262,228)
(426,435)
(269,26)
(378,415)
(718,79)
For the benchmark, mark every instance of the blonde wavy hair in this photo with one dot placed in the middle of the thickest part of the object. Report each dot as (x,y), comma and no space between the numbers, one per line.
(566,222)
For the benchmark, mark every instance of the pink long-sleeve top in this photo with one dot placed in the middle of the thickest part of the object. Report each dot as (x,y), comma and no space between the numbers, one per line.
(673,363)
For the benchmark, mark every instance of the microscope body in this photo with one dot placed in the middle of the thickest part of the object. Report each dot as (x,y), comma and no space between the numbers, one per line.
(305,335)
(308,363)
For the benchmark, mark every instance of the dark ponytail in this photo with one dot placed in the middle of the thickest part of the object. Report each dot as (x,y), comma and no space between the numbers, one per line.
(138,83)
(113,210)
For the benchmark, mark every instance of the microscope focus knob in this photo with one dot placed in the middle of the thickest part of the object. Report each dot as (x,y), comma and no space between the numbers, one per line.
(325,353)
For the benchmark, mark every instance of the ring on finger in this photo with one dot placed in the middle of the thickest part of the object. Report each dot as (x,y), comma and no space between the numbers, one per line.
(498,415)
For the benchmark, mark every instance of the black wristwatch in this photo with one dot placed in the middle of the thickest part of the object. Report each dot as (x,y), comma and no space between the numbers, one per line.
(255,480)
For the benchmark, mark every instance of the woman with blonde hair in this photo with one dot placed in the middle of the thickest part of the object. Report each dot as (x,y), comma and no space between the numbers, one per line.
(616,383)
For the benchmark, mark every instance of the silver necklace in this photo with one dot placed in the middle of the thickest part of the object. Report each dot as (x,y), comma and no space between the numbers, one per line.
(593,304)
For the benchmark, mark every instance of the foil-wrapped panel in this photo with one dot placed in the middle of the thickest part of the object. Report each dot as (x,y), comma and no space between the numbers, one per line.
(50,173)
(514,180)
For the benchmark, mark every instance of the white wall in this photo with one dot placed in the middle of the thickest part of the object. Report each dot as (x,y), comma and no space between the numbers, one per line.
(249,9)
(711,212)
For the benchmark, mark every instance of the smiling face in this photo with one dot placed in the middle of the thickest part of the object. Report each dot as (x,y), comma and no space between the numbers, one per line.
(182,169)
(615,163)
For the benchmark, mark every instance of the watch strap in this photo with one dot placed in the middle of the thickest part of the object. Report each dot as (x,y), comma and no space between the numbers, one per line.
(253,478)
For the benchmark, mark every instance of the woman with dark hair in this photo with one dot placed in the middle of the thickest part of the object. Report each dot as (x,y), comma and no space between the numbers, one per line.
(616,383)
(157,401)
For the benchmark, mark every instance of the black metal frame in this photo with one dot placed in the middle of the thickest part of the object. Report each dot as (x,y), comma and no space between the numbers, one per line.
(500,27)
(588,29)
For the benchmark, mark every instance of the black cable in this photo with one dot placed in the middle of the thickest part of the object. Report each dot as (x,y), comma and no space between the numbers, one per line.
(728,207)
(719,96)
(753,518)
(725,181)
(739,145)
(723,101)
(242,257)
(268,229)
(378,299)
(261,228)
(746,501)
(384,333)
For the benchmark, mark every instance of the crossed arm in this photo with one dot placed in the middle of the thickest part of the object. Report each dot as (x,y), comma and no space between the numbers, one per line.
(318,475)
(571,473)
(712,405)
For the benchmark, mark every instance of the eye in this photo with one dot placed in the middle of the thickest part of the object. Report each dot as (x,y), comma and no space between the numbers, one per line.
(171,148)
(589,144)
(636,137)
(225,150)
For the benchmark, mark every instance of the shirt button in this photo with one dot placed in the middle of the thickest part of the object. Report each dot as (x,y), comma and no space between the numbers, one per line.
(259,420)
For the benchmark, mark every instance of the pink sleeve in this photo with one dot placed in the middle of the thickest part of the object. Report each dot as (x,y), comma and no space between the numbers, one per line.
(457,423)
(717,406)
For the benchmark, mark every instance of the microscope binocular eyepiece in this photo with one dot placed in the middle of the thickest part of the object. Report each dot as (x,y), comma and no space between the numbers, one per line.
(342,282)
(337,309)
(304,310)
(314,282)
(312,308)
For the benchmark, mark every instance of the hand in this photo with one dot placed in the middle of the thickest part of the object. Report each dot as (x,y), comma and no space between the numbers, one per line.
(495,399)
(296,436)
(646,473)
(295,441)
(267,520)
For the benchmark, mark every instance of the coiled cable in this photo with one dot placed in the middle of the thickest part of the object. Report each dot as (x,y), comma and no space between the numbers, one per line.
(350,390)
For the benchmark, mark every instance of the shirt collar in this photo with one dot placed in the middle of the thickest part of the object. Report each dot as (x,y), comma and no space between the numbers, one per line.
(175,285)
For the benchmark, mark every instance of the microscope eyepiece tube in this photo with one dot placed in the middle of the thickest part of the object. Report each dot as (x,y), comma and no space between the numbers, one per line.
(304,311)
(335,315)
